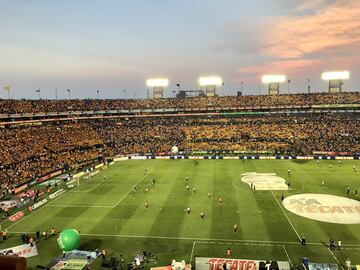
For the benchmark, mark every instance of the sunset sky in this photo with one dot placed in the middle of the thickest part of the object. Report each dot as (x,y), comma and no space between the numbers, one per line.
(113,45)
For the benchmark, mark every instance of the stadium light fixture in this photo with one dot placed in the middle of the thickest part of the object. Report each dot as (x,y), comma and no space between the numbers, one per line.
(335,75)
(157,82)
(273,78)
(206,81)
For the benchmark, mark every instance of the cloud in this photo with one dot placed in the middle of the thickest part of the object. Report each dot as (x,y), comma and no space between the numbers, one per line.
(333,25)
(311,5)
(284,66)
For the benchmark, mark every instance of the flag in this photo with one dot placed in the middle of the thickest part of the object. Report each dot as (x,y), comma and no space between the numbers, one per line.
(178,85)
(37,90)
(68,90)
(6,88)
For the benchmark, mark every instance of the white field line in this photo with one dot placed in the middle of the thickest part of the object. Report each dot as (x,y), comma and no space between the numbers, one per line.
(201,240)
(85,191)
(80,206)
(336,259)
(142,178)
(93,206)
(98,206)
(36,210)
(282,209)
(287,255)
(192,252)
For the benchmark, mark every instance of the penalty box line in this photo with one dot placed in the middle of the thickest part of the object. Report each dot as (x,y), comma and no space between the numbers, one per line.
(138,182)
(50,204)
(98,206)
(87,191)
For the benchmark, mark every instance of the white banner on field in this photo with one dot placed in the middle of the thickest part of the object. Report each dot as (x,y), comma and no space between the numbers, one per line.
(25,251)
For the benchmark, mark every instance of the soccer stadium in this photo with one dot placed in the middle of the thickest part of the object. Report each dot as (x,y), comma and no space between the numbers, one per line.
(174,176)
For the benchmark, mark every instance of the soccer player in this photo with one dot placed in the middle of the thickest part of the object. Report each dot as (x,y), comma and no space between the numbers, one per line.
(228,253)
(348,191)
(146,189)
(354,168)
(153,182)
(330,166)
(303,240)
(209,195)
(356,193)
(145,171)
(289,173)
(105,178)
(194,189)
(187,187)
(348,264)
(53,231)
(235,228)
(31,242)
(188,210)
(202,215)
(4,234)
(220,200)
(339,163)
(318,162)
(146,205)
(322,183)
(332,244)
(186,178)
(103,254)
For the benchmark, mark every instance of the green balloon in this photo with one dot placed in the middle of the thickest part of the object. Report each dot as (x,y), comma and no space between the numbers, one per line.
(69,239)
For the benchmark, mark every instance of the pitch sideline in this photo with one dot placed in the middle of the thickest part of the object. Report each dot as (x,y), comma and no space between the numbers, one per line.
(282,209)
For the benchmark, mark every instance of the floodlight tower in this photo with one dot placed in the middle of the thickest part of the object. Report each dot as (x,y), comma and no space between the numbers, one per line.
(210,84)
(158,86)
(273,82)
(335,79)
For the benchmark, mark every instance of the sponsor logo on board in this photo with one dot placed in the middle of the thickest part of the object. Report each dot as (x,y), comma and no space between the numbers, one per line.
(17,216)
(239,264)
(38,204)
(25,251)
(57,193)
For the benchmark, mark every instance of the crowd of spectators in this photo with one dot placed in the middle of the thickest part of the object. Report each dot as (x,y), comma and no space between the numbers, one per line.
(37,106)
(30,151)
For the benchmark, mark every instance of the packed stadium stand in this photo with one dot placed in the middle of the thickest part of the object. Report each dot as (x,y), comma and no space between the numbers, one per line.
(42,136)
(33,106)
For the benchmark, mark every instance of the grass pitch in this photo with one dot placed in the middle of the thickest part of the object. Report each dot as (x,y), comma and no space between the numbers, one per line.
(110,214)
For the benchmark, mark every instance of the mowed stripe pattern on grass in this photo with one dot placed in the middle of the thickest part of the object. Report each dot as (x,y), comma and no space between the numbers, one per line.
(257,213)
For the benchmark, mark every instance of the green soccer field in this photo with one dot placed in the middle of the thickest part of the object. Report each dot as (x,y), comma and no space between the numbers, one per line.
(110,214)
